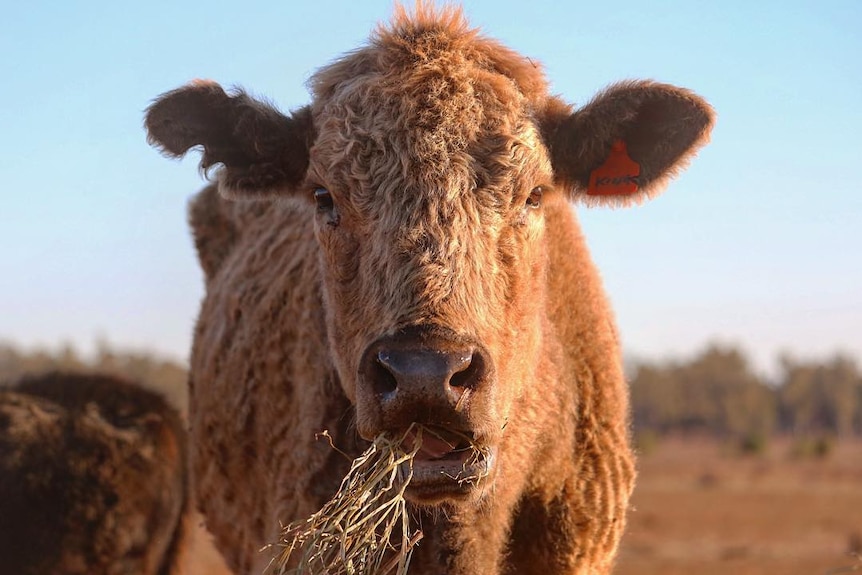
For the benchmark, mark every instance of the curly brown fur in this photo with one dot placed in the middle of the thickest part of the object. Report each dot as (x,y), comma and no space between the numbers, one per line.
(442,233)
(92,478)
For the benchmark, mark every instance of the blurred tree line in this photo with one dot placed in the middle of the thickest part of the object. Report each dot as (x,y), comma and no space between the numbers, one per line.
(165,376)
(717,393)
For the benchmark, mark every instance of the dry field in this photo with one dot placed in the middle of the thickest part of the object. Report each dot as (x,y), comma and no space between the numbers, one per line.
(698,508)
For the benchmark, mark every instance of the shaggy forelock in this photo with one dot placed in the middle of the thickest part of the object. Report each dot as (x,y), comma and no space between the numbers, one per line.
(426,95)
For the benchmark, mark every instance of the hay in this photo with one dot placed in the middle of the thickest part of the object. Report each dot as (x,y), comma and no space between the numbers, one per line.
(353,532)
(364,528)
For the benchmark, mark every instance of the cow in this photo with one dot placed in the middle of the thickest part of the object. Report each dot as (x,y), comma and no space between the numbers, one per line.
(92,478)
(403,250)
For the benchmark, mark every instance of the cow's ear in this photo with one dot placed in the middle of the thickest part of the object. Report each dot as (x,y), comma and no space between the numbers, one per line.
(625,145)
(263,152)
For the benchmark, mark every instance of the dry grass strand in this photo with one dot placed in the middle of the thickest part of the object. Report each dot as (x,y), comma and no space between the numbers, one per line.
(353,533)
(365,527)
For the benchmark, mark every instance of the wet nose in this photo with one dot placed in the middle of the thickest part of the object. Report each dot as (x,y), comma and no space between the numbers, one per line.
(422,374)
(424,370)
(431,376)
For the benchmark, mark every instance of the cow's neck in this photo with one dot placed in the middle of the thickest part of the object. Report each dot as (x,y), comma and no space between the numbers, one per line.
(461,542)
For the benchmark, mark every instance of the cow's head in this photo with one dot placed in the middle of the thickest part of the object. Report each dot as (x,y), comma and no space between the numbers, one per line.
(426,159)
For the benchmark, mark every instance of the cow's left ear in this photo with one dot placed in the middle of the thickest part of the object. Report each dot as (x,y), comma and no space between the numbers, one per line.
(263,152)
(624,146)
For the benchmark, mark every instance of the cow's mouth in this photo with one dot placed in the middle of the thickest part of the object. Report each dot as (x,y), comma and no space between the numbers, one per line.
(447,465)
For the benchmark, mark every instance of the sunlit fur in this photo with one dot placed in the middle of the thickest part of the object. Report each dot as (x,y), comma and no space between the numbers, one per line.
(430,139)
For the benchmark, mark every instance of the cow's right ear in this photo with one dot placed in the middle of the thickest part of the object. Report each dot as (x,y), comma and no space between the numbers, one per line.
(263,151)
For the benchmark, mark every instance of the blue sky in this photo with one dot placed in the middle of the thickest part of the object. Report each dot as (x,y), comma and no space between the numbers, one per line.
(758,243)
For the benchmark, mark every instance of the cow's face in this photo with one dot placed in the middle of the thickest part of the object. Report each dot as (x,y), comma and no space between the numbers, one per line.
(425,160)
(428,183)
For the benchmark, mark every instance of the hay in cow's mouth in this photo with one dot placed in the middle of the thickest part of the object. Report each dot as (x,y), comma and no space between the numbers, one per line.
(365,527)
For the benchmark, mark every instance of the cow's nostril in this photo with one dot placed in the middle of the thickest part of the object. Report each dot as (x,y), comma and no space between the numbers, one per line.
(382,378)
(471,371)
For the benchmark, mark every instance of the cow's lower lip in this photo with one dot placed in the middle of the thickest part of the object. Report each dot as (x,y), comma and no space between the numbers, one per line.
(453,478)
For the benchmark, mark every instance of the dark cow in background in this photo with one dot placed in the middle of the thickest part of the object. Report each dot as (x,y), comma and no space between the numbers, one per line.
(92,478)
(416,259)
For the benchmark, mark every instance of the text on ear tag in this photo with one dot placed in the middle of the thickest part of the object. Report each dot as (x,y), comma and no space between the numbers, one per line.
(617,176)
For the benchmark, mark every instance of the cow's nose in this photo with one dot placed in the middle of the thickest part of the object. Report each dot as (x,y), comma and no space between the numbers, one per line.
(422,374)
(427,375)
(425,369)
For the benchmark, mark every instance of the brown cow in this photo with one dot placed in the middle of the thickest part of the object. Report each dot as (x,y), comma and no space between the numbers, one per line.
(417,260)
(92,478)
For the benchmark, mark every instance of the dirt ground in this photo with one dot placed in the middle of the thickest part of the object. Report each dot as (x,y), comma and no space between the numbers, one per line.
(701,508)
(202,557)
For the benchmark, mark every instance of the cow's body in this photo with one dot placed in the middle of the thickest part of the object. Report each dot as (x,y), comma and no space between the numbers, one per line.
(92,478)
(574,454)
(420,263)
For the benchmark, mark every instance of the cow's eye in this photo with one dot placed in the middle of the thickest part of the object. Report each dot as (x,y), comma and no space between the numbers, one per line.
(534,200)
(323,199)
(326,207)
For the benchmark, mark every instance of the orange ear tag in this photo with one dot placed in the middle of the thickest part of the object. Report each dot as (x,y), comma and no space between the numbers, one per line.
(618,176)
